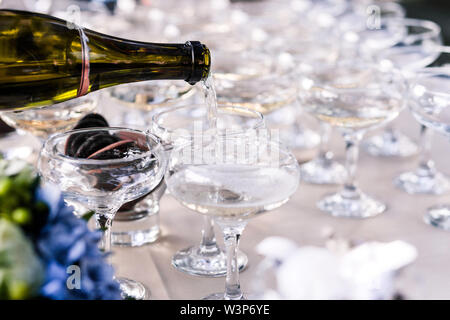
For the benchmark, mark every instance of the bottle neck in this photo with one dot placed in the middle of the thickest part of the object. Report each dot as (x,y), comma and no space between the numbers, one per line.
(114,61)
(45,60)
(201,62)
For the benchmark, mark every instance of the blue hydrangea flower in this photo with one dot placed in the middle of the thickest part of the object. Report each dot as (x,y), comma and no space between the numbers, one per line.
(66,240)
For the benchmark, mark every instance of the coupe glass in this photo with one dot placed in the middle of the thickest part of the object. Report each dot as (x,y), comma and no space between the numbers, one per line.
(42,122)
(353,96)
(42,6)
(136,103)
(360,39)
(323,169)
(303,50)
(133,106)
(426,178)
(274,94)
(430,105)
(418,48)
(232,180)
(104,185)
(181,125)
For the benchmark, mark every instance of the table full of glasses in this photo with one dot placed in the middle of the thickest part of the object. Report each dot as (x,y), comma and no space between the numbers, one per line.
(342,74)
(301,221)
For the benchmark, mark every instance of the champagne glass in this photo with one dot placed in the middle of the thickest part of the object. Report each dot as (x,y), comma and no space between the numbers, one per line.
(103,184)
(111,17)
(137,223)
(136,103)
(416,50)
(353,96)
(430,105)
(274,94)
(385,9)
(362,38)
(232,180)
(42,122)
(300,48)
(273,15)
(178,126)
(43,6)
(426,178)
(304,57)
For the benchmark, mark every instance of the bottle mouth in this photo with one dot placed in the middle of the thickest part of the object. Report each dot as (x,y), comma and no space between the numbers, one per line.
(201,62)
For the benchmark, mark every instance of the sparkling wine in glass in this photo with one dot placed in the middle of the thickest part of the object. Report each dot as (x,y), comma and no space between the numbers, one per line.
(42,122)
(184,124)
(271,91)
(135,104)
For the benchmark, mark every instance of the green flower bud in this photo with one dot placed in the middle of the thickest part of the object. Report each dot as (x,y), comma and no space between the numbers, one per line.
(6,184)
(21,216)
(18,290)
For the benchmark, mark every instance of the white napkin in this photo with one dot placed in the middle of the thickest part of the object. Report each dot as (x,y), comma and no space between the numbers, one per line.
(365,272)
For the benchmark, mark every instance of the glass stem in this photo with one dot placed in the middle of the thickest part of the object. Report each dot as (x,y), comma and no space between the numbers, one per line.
(352,141)
(325,131)
(426,164)
(104,218)
(208,246)
(389,132)
(232,234)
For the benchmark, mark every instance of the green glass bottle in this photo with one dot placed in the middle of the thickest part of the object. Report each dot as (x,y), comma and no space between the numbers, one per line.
(46,60)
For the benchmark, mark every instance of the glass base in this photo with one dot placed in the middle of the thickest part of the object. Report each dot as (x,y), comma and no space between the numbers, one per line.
(415,182)
(135,238)
(438,216)
(215,265)
(139,225)
(132,289)
(138,232)
(359,205)
(390,144)
(221,296)
(323,171)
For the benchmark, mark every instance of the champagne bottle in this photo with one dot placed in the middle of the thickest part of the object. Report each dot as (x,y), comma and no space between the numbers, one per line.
(46,60)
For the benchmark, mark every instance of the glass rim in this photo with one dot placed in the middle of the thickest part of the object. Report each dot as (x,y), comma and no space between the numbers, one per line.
(92,99)
(259,117)
(367,66)
(48,147)
(434,30)
(260,56)
(388,7)
(284,74)
(187,92)
(430,72)
(392,6)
